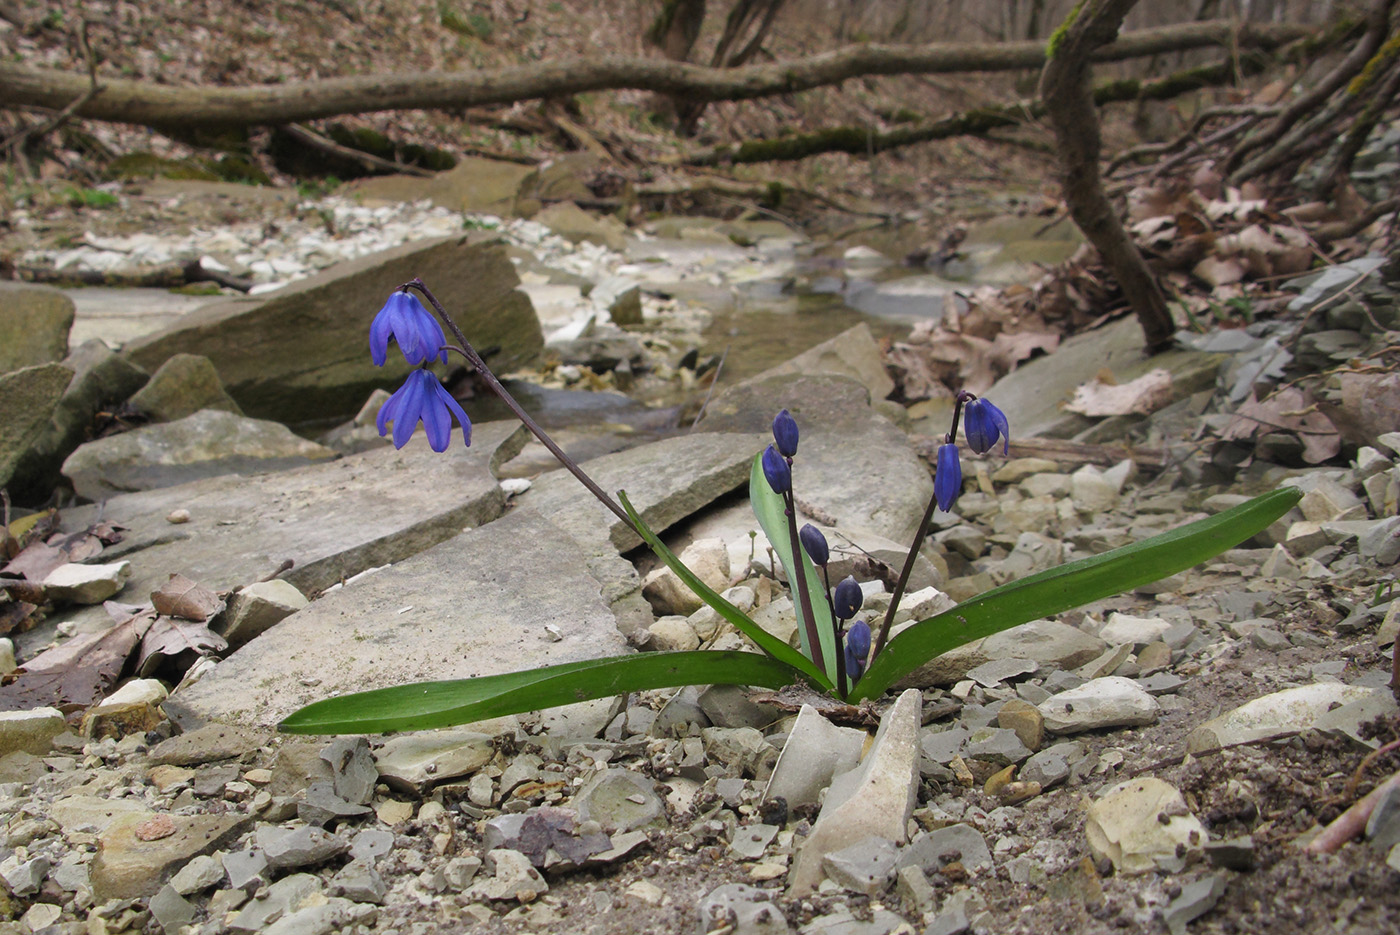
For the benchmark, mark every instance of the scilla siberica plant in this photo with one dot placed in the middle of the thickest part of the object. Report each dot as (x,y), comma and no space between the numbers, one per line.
(840,654)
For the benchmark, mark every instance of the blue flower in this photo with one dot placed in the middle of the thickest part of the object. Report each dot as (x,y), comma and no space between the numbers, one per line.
(417,332)
(776,469)
(785,433)
(814,544)
(422,399)
(983,424)
(847,599)
(947,479)
(857,648)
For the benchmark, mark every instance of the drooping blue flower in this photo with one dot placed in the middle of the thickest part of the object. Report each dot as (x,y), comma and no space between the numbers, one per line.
(423,399)
(776,469)
(847,598)
(785,433)
(857,649)
(412,326)
(983,424)
(814,543)
(947,479)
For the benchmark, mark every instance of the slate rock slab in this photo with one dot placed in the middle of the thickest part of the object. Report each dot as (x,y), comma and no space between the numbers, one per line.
(854,468)
(301,354)
(333,520)
(477,604)
(34,325)
(27,401)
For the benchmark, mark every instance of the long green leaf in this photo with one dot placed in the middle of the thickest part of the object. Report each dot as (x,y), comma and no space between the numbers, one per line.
(772,516)
(1071,585)
(766,641)
(423,705)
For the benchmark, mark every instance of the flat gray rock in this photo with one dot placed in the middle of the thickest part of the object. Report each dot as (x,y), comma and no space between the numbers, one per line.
(28,398)
(301,354)
(34,328)
(333,520)
(477,604)
(845,447)
(207,443)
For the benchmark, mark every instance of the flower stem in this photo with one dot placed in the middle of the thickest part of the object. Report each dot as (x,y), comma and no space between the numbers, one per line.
(798,581)
(841,685)
(963,397)
(467,351)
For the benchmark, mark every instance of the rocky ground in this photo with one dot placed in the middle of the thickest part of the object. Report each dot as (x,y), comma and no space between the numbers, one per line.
(1156,760)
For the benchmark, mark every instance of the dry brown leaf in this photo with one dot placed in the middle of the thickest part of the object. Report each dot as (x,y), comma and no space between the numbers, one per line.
(169,638)
(1215,271)
(1288,410)
(181,597)
(1146,394)
(16,617)
(40,557)
(76,674)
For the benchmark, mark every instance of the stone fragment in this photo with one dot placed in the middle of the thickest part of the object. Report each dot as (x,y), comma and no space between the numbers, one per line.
(183,385)
(672,633)
(1234,854)
(371,844)
(512,877)
(208,744)
(1052,644)
(199,874)
(246,869)
(417,762)
(864,867)
(1383,827)
(321,807)
(353,767)
(86,584)
(208,443)
(1111,701)
(815,751)
(1381,541)
(1092,492)
(1018,469)
(127,867)
(729,706)
(1278,712)
(35,324)
(1025,719)
(171,909)
(28,399)
(1137,631)
(1196,899)
(751,841)
(993,673)
(876,798)
(746,910)
(282,898)
(931,851)
(31,731)
(254,609)
(24,877)
(1143,825)
(290,848)
(360,882)
(40,917)
(912,887)
(619,800)
(998,745)
(118,720)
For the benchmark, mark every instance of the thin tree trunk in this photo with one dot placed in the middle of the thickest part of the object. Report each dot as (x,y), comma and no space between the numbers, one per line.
(1069,102)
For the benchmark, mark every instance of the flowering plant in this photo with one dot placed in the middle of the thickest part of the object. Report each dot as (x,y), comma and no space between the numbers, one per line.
(853,666)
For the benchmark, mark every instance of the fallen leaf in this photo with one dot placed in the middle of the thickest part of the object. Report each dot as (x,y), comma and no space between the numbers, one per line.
(1288,410)
(182,641)
(1146,394)
(42,556)
(15,617)
(181,597)
(76,674)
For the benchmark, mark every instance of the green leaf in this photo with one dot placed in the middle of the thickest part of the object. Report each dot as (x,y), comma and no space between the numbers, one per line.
(1081,582)
(772,516)
(423,705)
(766,641)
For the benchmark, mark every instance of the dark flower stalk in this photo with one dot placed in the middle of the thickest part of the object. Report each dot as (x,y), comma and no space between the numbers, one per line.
(777,469)
(820,553)
(467,351)
(986,424)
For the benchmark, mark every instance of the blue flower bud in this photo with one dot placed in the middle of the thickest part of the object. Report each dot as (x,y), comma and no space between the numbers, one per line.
(983,424)
(785,433)
(847,599)
(404,319)
(857,649)
(776,469)
(947,479)
(815,544)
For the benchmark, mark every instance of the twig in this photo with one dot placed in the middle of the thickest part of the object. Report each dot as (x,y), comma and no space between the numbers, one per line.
(1355,781)
(1174,760)
(368,160)
(1351,822)
(719,367)
(17,141)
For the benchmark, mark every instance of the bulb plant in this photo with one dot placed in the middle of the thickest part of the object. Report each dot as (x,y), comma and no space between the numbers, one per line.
(840,654)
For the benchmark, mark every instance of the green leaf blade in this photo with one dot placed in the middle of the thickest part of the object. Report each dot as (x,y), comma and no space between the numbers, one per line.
(1081,582)
(771,514)
(765,641)
(425,705)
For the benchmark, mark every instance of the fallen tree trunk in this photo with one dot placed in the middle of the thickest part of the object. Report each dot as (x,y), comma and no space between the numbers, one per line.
(190,107)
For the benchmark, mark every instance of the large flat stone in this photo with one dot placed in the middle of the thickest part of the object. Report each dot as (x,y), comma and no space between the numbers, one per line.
(854,468)
(513,594)
(34,325)
(333,520)
(301,354)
